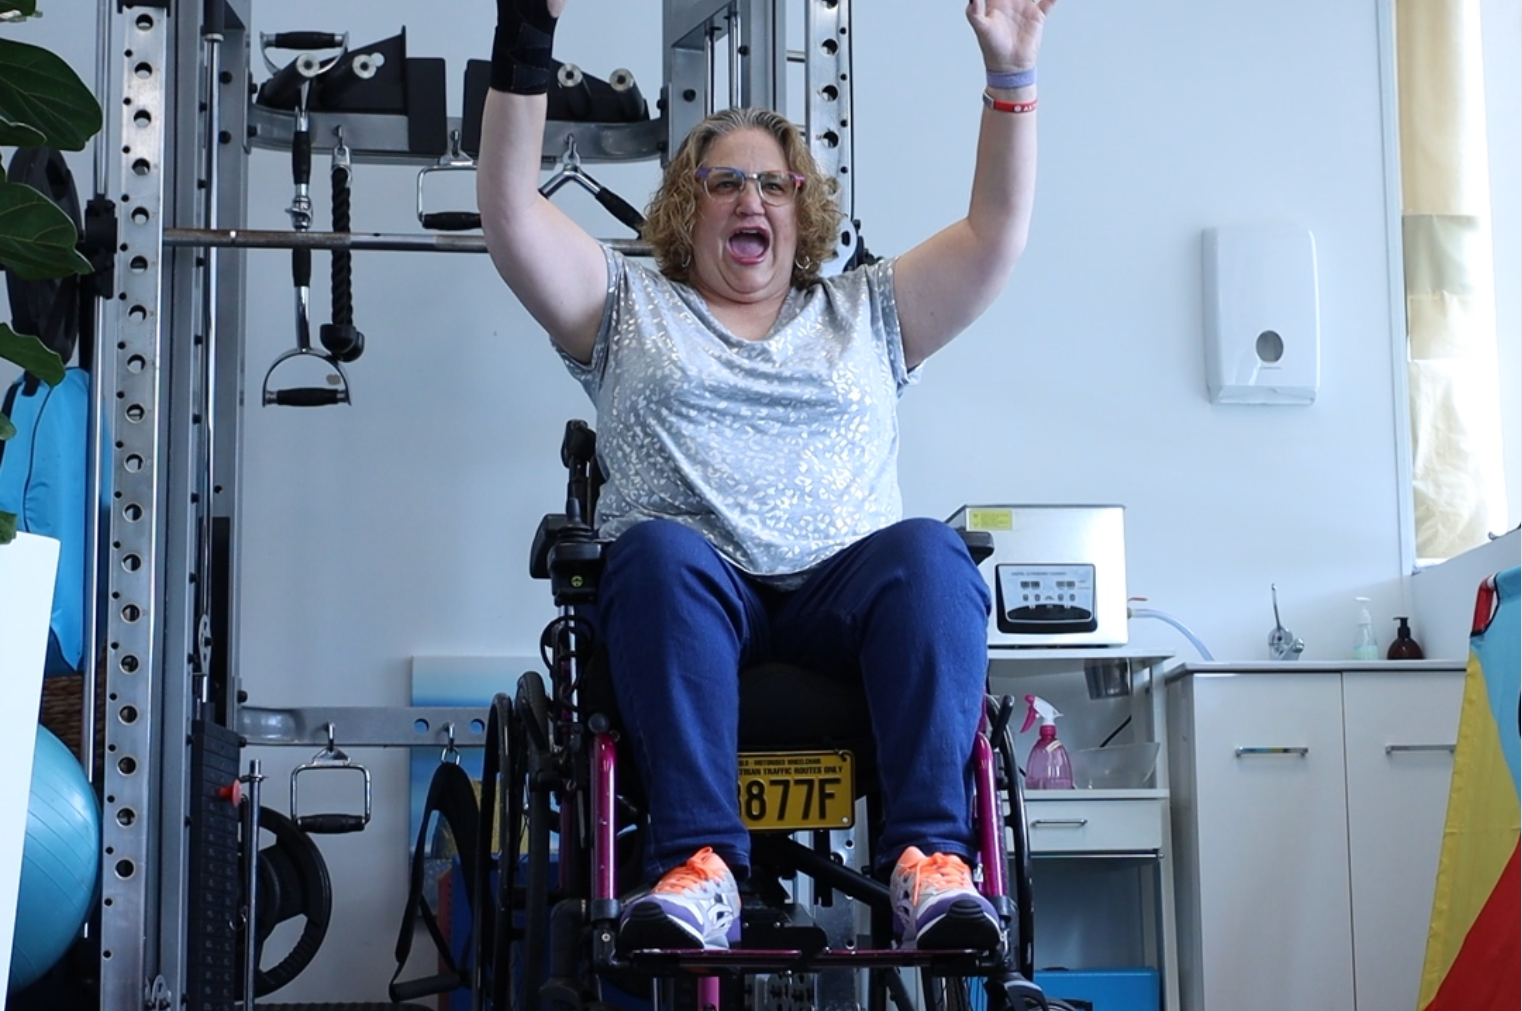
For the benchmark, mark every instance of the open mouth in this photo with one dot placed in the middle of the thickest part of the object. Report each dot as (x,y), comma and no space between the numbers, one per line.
(749,245)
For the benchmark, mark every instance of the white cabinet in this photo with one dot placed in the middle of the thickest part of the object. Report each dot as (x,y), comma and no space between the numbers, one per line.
(1307,807)
(1400,732)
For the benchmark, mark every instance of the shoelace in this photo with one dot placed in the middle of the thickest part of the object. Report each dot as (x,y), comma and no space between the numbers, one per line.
(942,871)
(693,874)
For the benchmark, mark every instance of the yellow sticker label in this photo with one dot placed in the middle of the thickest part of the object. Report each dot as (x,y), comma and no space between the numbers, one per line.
(990,519)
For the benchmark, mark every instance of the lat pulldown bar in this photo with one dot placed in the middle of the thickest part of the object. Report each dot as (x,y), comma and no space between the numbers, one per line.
(250,238)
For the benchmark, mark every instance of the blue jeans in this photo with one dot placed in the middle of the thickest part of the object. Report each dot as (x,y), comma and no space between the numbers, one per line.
(903,609)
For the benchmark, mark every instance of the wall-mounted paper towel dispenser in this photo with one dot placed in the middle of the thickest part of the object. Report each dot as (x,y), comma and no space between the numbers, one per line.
(1262,319)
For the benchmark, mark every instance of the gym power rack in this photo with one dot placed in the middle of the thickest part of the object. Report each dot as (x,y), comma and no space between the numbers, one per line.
(171,191)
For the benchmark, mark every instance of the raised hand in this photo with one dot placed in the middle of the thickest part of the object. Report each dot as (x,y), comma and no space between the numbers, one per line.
(1008,31)
(521,57)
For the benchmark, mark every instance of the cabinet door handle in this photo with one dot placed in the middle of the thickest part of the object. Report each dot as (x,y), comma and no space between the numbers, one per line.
(1295,752)
(1060,822)
(1396,749)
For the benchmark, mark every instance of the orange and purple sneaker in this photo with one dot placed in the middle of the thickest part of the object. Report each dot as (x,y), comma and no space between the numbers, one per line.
(937,907)
(696,905)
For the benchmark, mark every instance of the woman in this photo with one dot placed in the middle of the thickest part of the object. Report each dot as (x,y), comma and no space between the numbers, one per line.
(747,428)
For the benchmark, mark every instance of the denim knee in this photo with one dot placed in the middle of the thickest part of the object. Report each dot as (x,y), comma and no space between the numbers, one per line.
(932,556)
(649,554)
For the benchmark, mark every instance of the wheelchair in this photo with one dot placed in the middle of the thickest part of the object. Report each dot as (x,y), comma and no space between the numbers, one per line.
(559,842)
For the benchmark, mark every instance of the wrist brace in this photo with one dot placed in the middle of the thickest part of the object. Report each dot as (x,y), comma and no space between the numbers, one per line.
(521,61)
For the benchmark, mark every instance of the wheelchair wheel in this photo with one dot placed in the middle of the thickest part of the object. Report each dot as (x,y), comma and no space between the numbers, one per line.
(532,711)
(1022,944)
(500,930)
(946,993)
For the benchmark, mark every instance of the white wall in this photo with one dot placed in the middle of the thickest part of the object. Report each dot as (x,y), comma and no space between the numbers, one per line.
(400,526)
(1501,23)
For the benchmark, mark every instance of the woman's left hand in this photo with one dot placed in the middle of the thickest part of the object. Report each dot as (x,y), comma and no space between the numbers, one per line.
(1008,31)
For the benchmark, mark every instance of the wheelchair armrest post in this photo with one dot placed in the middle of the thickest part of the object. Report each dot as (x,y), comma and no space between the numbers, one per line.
(980,544)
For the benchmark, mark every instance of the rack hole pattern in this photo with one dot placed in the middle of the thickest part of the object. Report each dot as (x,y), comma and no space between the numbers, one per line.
(130,408)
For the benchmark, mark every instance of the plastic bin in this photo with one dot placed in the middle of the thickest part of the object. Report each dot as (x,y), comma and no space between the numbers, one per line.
(1103,989)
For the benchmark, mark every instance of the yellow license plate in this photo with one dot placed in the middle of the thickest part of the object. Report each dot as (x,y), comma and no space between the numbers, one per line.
(793,790)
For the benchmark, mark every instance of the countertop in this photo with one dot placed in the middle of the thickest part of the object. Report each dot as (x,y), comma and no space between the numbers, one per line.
(1308,667)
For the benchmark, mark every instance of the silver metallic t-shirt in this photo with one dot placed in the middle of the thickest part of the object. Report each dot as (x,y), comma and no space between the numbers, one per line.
(780,451)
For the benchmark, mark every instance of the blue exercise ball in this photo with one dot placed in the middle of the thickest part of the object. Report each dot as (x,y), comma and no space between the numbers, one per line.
(60,863)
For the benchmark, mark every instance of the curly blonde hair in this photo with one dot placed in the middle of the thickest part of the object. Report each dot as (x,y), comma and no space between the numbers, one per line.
(673,211)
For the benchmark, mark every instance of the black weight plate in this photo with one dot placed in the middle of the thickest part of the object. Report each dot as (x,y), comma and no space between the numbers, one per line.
(48,309)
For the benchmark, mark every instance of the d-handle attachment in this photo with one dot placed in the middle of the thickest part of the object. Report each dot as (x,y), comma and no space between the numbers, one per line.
(447,221)
(330,759)
(337,391)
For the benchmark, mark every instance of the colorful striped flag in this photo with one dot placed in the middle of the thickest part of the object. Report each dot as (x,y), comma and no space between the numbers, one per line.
(1474,946)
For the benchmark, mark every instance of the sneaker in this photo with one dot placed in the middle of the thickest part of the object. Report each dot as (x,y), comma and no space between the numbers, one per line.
(936,906)
(696,905)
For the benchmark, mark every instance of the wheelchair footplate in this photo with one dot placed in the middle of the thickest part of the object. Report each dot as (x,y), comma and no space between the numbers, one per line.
(792,791)
(762,960)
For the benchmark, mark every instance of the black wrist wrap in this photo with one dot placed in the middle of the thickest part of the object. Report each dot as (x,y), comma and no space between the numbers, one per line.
(521,61)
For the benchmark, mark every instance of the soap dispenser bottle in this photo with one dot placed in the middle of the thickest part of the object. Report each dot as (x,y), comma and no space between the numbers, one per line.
(1404,647)
(1048,766)
(1365,646)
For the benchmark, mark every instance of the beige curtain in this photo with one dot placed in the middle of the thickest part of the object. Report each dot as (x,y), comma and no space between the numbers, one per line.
(1457,463)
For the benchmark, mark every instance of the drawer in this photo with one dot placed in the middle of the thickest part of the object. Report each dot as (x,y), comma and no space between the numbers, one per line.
(1091,825)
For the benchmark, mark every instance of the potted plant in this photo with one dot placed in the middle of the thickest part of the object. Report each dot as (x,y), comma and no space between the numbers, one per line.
(42,103)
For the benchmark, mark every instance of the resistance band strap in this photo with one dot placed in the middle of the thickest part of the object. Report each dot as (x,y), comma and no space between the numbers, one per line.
(521,59)
(452,796)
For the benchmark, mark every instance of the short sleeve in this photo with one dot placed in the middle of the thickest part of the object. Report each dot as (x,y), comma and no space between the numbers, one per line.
(589,374)
(879,281)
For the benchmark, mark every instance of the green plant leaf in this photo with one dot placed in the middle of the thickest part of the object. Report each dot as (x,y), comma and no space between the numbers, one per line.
(36,237)
(7,430)
(14,134)
(31,354)
(15,10)
(40,90)
(7,527)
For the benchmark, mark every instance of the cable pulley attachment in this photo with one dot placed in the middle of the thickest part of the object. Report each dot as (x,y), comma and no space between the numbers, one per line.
(447,221)
(309,66)
(341,338)
(330,759)
(568,170)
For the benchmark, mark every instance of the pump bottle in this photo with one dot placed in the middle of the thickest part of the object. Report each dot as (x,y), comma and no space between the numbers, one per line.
(1404,647)
(1365,646)
(1048,766)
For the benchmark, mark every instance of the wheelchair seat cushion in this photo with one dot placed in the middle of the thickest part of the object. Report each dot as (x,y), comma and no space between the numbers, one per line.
(783,707)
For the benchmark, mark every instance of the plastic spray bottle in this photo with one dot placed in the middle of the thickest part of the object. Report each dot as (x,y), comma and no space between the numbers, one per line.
(1365,646)
(1048,767)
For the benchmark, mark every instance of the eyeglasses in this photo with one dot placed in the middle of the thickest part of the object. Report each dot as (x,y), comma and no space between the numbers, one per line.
(726,184)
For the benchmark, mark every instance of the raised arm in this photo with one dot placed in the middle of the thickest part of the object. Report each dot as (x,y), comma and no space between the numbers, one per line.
(946,282)
(554,267)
